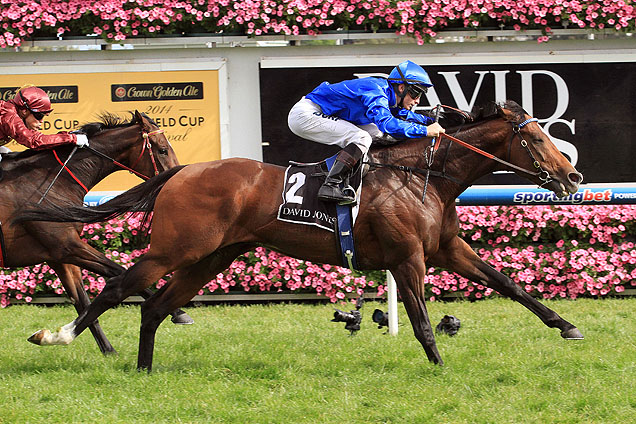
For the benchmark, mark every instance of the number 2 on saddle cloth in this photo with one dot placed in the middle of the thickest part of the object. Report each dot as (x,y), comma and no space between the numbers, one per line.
(300,204)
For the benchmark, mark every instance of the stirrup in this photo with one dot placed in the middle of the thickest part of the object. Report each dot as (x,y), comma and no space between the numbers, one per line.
(350,196)
(332,193)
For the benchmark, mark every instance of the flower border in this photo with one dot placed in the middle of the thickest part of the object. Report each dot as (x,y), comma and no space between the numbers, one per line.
(118,20)
(549,251)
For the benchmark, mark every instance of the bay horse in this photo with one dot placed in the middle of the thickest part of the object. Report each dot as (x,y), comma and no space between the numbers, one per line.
(216,211)
(114,144)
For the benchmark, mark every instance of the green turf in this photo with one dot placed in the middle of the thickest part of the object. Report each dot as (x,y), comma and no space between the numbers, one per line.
(290,364)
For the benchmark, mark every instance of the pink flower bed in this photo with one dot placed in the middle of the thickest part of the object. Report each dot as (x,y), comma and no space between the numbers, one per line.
(117,20)
(550,251)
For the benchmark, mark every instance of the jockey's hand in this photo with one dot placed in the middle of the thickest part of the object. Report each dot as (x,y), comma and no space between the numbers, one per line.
(82,140)
(434,130)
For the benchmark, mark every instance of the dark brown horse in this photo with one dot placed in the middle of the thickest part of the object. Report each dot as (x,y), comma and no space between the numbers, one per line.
(114,145)
(217,210)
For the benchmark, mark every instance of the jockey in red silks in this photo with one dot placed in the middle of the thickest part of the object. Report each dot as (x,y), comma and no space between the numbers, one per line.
(351,113)
(21,120)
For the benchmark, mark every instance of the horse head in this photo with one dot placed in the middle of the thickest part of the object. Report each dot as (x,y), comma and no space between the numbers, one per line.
(138,145)
(531,149)
(154,146)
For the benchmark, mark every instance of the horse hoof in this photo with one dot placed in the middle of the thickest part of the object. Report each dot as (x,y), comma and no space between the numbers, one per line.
(36,338)
(182,319)
(572,334)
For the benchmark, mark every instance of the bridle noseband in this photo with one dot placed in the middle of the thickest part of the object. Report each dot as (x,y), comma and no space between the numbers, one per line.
(541,173)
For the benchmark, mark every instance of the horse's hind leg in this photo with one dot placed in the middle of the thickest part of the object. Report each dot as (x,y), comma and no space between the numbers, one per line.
(460,258)
(116,290)
(184,284)
(71,278)
(410,276)
(89,258)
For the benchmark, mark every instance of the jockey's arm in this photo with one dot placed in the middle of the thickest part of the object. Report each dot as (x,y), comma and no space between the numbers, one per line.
(14,127)
(411,116)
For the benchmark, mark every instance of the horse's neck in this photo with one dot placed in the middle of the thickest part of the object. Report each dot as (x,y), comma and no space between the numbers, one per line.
(468,166)
(89,168)
(95,168)
(459,163)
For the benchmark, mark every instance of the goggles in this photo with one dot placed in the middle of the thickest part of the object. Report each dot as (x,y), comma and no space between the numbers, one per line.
(415,91)
(37,115)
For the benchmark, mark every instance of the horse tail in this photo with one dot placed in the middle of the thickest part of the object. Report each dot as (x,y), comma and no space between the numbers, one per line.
(140,198)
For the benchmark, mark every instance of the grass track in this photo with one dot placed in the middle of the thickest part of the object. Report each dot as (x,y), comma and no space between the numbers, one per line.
(290,364)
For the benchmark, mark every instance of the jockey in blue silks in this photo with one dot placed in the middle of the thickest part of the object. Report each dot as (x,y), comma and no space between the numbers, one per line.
(351,113)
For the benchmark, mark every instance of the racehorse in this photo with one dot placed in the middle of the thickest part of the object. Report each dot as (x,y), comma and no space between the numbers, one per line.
(218,210)
(137,145)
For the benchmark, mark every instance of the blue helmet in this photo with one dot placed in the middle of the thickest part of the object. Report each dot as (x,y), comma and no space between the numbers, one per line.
(410,73)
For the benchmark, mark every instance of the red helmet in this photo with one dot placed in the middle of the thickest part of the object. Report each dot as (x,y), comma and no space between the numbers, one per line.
(34,99)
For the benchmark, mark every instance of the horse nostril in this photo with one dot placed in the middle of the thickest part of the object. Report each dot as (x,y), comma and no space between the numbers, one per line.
(575,177)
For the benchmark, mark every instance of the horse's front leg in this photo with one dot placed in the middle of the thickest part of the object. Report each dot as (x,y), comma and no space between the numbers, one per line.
(410,276)
(457,256)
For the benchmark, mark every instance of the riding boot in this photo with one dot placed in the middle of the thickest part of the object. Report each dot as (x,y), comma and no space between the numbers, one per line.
(332,190)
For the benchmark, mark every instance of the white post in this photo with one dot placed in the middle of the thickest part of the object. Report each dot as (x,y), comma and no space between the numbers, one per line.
(391,292)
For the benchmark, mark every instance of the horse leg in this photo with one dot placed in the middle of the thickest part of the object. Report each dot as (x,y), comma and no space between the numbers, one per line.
(184,284)
(71,278)
(179,316)
(85,256)
(410,276)
(457,256)
(116,290)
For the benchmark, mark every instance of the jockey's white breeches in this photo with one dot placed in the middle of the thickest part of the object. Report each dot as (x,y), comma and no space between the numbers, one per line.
(306,120)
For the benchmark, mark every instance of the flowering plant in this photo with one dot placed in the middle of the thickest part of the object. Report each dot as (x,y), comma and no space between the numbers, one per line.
(117,20)
(550,251)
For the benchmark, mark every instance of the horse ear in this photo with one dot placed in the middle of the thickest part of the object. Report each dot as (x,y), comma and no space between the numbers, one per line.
(505,112)
(138,117)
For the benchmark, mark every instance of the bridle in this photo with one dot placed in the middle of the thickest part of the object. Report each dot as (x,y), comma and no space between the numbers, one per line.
(147,145)
(543,175)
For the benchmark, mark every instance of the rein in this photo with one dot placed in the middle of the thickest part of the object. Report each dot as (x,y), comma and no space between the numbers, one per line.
(541,173)
(147,144)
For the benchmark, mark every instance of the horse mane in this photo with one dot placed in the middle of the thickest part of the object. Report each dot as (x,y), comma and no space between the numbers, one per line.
(493,110)
(486,112)
(109,121)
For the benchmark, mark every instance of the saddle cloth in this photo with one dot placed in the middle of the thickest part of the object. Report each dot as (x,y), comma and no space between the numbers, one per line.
(300,203)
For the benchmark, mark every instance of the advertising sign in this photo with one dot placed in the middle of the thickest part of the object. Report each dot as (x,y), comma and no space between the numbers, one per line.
(585,108)
(184,103)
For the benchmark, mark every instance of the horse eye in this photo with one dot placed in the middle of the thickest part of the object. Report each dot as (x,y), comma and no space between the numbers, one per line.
(538,140)
(163,151)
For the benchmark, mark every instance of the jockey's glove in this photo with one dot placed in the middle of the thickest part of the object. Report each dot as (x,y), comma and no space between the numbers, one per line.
(82,140)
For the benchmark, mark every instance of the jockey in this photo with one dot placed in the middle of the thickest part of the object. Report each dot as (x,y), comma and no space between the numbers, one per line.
(351,113)
(21,120)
